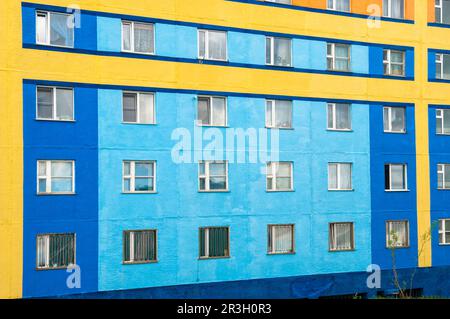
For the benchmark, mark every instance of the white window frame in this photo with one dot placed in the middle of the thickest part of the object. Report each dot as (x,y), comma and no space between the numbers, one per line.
(132,250)
(405,177)
(55,106)
(334,6)
(207,177)
(332,56)
(334,238)
(440,62)
(47,253)
(334,128)
(389,130)
(272,52)
(441,171)
(273,115)
(388,235)
(338,176)
(389,14)
(443,231)
(440,114)
(48,28)
(132,176)
(138,107)
(278,1)
(211,99)
(207,32)
(438,5)
(271,172)
(271,232)
(48,177)
(132,47)
(389,62)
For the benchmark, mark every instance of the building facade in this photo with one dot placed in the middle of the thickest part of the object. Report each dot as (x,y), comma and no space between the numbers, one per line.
(116,182)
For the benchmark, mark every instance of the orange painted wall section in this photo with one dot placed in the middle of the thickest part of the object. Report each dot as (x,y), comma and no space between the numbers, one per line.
(431,12)
(359,6)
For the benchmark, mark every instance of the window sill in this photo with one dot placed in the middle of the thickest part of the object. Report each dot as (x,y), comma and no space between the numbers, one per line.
(398,247)
(394,76)
(213,258)
(388,132)
(279,128)
(444,245)
(397,191)
(443,189)
(213,126)
(53,268)
(442,134)
(280,191)
(125,263)
(133,123)
(139,193)
(337,71)
(341,250)
(56,194)
(338,130)
(214,191)
(280,66)
(52,120)
(55,46)
(341,190)
(280,254)
(212,60)
(139,53)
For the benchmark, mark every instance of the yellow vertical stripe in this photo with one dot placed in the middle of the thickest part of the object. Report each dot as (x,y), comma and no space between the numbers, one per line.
(422,138)
(11,149)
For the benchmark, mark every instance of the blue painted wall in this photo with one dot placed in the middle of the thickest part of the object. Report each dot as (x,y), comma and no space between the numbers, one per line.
(58,214)
(440,199)
(388,148)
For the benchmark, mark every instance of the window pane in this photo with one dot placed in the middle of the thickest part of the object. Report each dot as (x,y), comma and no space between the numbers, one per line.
(143,184)
(64,104)
(440,177)
(61,185)
(447,177)
(61,169)
(219,112)
(45,103)
(346,176)
(217,45)
(204,111)
(386,119)
(217,183)
(343,5)
(218,242)
(127,185)
(268,50)
(42,185)
(126,36)
(446,114)
(143,169)
(202,44)
(439,122)
(283,183)
(283,239)
(330,115)
(332,176)
(342,57)
(146,108)
(217,169)
(42,168)
(283,169)
(143,38)
(42,251)
(343,117)
(269,109)
(282,52)
(60,32)
(41,28)
(446,11)
(130,107)
(397,177)
(283,114)
(398,119)
(126,168)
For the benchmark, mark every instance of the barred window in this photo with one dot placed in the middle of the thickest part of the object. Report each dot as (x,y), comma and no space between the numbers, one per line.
(280,239)
(341,236)
(214,242)
(139,246)
(55,251)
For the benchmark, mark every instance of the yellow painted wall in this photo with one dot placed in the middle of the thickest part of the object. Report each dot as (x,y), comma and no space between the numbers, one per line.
(17,63)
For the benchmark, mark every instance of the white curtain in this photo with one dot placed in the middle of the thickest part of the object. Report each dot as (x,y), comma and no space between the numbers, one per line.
(219,111)
(397,177)
(398,233)
(282,236)
(282,54)
(146,108)
(41,28)
(143,38)
(42,257)
(60,32)
(343,116)
(342,235)
(332,176)
(343,5)
(126,36)
(283,114)
(64,104)
(217,45)
(345,176)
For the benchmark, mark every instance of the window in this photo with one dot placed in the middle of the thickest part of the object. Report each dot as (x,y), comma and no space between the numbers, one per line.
(442,11)
(278,51)
(394,119)
(212,45)
(138,37)
(280,239)
(394,62)
(138,108)
(339,176)
(55,251)
(214,242)
(338,57)
(278,114)
(443,66)
(397,234)
(339,5)
(444,176)
(213,176)
(394,9)
(212,111)
(279,176)
(444,232)
(139,176)
(54,104)
(341,237)
(54,28)
(279,1)
(339,117)
(443,121)
(56,177)
(139,246)
(395,177)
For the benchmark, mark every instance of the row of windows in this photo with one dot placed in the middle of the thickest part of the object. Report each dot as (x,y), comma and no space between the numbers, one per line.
(58,177)
(391,8)
(56,103)
(140,246)
(138,37)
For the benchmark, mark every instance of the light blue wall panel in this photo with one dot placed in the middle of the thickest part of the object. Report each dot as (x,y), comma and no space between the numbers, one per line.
(309,54)
(176,41)
(109,34)
(246,48)
(360,59)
